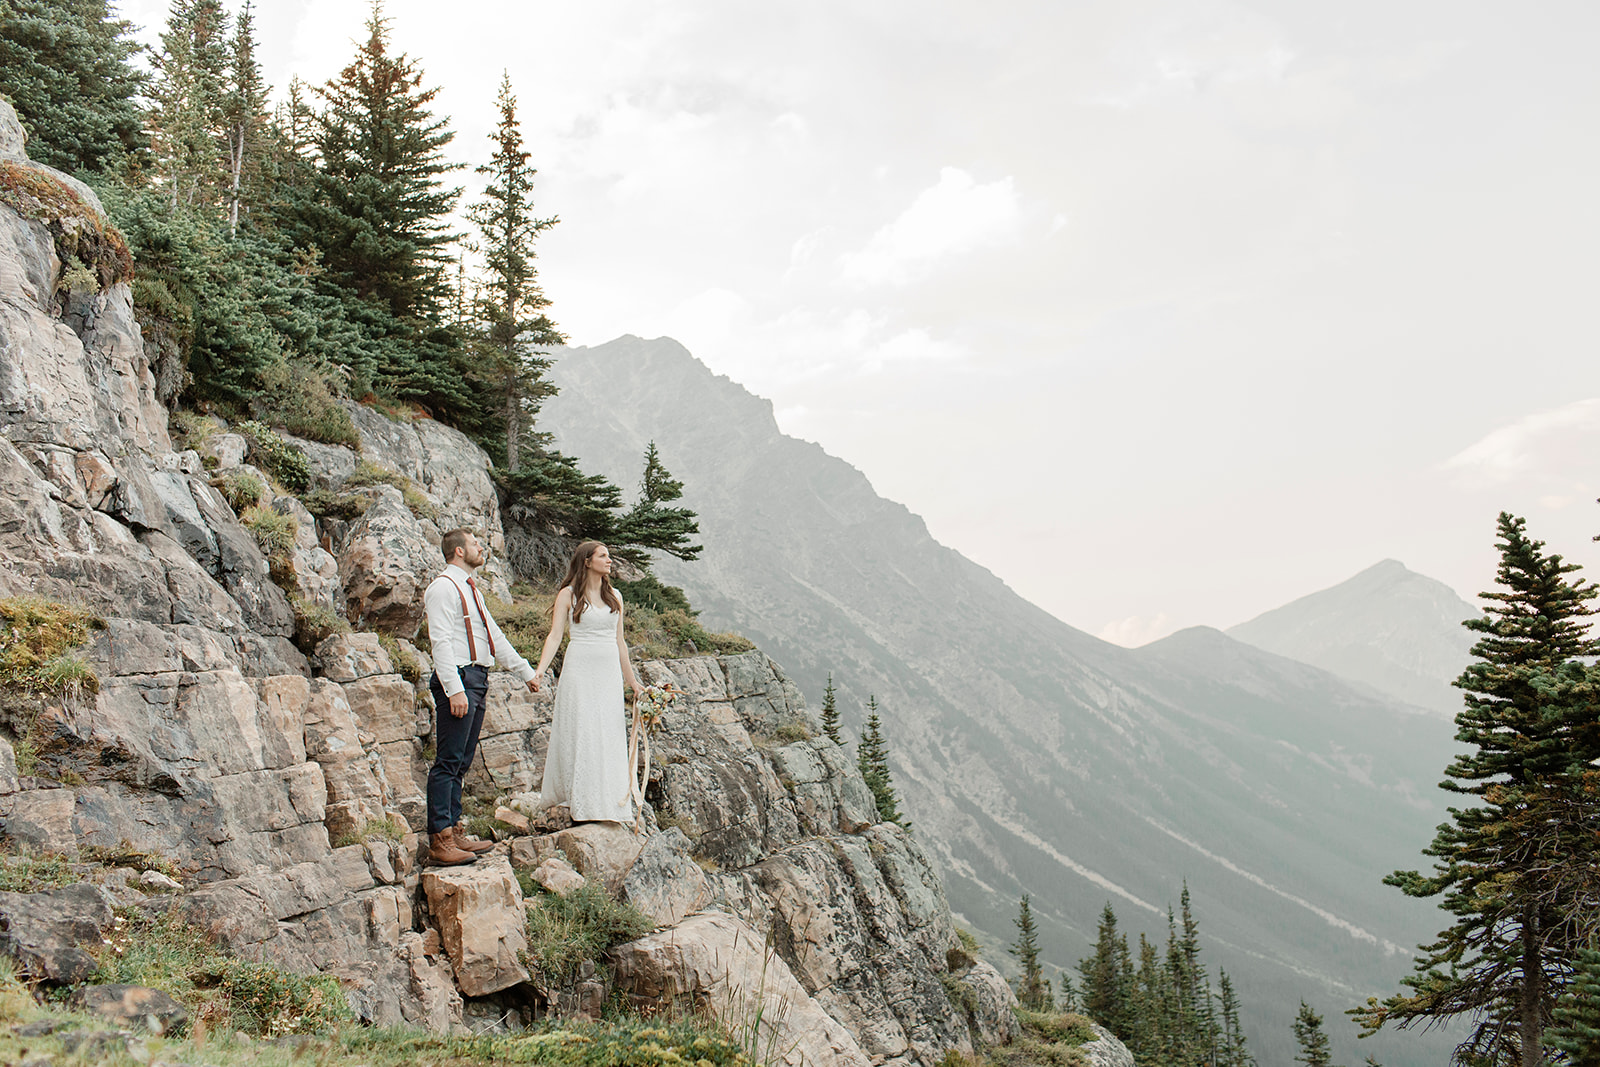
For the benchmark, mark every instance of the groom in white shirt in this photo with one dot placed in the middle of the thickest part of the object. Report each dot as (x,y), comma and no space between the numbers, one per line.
(466,643)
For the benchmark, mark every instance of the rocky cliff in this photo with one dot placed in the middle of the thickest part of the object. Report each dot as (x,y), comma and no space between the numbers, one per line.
(289,787)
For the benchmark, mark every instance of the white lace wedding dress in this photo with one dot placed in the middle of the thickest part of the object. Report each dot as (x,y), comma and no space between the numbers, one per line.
(587,766)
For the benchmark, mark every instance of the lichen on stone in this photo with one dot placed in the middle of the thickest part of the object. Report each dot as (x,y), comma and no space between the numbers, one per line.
(81,233)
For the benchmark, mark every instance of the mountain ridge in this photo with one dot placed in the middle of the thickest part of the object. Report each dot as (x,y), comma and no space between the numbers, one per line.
(1036,757)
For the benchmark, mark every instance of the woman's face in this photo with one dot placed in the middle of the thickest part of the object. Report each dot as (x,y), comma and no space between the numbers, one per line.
(600,561)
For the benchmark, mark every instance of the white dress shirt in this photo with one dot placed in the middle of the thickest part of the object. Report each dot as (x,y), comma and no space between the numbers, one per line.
(447,631)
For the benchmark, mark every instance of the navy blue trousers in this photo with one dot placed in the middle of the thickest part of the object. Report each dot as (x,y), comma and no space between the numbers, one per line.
(456,742)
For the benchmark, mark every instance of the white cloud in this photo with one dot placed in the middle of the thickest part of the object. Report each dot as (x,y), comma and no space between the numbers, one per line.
(1135,630)
(951,218)
(1543,444)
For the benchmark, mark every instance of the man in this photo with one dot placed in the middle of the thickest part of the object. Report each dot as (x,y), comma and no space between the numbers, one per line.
(466,643)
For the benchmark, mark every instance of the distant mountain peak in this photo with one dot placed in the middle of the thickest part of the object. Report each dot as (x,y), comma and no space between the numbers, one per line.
(1387,627)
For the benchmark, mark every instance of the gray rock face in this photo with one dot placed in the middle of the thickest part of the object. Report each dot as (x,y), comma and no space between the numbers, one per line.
(386,565)
(993,1004)
(1106,1051)
(132,1005)
(664,882)
(724,965)
(43,931)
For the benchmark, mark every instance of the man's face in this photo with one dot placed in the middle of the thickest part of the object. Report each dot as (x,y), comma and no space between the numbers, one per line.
(472,553)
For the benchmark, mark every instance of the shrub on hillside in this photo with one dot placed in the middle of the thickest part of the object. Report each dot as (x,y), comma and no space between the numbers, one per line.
(276,456)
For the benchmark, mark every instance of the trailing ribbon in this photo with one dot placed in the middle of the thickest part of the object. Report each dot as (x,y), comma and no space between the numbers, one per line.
(636,785)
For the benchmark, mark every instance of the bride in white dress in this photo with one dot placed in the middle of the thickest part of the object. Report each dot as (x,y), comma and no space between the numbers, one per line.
(587,765)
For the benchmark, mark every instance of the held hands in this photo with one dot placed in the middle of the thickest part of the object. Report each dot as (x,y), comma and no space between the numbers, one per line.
(533,683)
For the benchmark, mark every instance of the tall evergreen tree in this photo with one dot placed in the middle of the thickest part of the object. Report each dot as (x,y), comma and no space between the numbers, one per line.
(1033,990)
(66,66)
(872,758)
(1232,1051)
(830,713)
(189,92)
(1107,987)
(652,524)
(1505,865)
(1315,1050)
(1153,1022)
(375,216)
(244,117)
(516,331)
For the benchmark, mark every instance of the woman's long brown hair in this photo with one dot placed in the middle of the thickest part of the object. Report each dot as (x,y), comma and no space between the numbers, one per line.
(577,576)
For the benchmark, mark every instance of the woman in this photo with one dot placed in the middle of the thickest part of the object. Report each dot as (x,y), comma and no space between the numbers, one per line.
(587,766)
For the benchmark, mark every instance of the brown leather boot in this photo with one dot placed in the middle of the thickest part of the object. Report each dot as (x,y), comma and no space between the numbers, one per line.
(442,851)
(459,838)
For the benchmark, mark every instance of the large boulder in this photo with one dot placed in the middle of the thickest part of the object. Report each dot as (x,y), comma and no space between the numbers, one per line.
(1105,1050)
(663,882)
(991,1004)
(454,472)
(481,919)
(131,1005)
(314,571)
(43,932)
(721,963)
(600,851)
(385,566)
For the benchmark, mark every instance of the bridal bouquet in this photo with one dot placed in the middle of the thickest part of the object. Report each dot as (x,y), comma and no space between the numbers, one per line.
(649,705)
(655,701)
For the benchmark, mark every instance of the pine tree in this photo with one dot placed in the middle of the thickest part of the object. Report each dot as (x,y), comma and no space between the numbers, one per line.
(651,524)
(375,216)
(830,713)
(1195,998)
(1107,996)
(1033,991)
(1577,1013)
(872,758)
(1507,864)
(66,66)
(1314,1048)
(189,92)
(244,116)
(1152,1022)
(1232,1052)
(515,331)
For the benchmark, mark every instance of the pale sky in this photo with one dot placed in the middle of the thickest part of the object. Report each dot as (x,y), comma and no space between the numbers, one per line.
(1166,312)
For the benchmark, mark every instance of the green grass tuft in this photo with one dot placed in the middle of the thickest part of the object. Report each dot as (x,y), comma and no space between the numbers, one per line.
(37,639)
(241,489)
(274,531)
(315,623)
(565,931)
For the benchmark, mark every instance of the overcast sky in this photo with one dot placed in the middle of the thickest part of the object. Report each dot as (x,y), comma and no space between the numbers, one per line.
(1166,312)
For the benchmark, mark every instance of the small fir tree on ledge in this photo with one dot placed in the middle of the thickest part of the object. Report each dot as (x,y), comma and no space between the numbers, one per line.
(830,713)
(872,757)
(1033,989)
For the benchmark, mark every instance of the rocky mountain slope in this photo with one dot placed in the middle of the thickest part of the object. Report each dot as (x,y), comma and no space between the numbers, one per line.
(1033,757)
(1388,627)
(289,787)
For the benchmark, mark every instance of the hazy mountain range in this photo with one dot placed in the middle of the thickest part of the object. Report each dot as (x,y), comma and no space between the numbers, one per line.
(1391,628)
(1036,758)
